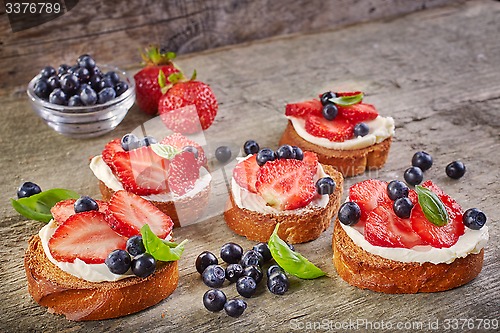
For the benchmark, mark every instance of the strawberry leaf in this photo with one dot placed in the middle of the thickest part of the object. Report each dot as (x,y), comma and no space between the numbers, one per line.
(165,151)
(347,100)
(162,79)
(159,249)
(193,77)
(433,208)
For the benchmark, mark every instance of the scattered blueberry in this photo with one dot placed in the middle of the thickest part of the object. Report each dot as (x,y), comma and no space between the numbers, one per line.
(361,129)
(42,89)
(264,251)
(325,97)
(191,149)
(402,207)
(57,96)
(254,272)
(121,87)
(223,154)
(455,169)
(148,141)
(349,213)
(214,300)
(413,175)
(251,147)
(69,83)
(86,61)
(422,160)
(231,253)
(118,262)
(27,189)
(285,152)
(130,141)
(214,276)
(474,219)
(47,72)
(106,95)
(278,283)
(329,111)
(298,153)
(325,185)
(135,246)
(233,272)
(265,155)
(235,307)
(143,265)
(272,269)
(246,286)
(251,257)
(88,95)
(85,204)
(204,260)
(75,100)
(397,189)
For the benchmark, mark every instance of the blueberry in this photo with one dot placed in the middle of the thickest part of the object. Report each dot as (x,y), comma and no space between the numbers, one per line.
(69,83)
(325,185)
(235,307)
(47,72)
(414,175)
(455,169)
(27,189)
(474,219)
(58,97)
(265,155)
(130,141)
(231,253)
(273,268)
(214,276)
(105,83)
(82,74)
(148,141)
(422,160)
(86,61)
(278,283)
(106,95)
(118,262)
(402,207)
(42,89)
(204,260)
(85,204)
(325,97)
(233,272)
(251,147)
(298,153)
(96,71)
(135,246)
(361,129)
(263,249)
(246,286)
(88,95)
(63,69)
(329,111)
(95,82)
(397,189)
(113,76)
(214,300)
(349,213)
(191,149)
(254,272)
(223,154)
(75,100)
(121,87)
(143,265)
(251,257)
(290,246)
(53,82)
(285,152)
(72,69)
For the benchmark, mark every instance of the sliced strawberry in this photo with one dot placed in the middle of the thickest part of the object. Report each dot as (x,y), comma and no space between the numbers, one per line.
(286,184)
(338,129)
(62,210)
(368,194)
(179,141)
(358,112)
(302,109)
(184,172)
(245,173)
(311,159)
(110,150)
(446,235)
(384,228)
(127,213)
(85,236)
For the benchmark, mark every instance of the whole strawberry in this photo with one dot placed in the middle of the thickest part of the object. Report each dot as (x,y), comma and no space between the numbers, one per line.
(187,105)
(147,89)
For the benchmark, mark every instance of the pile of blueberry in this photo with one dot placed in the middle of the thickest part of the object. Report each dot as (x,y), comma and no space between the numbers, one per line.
(244,269)
(422,161)
(27,189)
(330,111)
(82,84)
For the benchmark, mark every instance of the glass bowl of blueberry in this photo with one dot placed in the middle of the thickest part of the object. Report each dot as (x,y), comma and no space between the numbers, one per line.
(83,100)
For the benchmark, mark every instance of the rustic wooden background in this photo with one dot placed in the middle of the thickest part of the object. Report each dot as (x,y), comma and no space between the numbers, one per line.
(436,72)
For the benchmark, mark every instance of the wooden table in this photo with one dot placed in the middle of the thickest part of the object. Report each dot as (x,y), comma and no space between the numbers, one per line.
(436,72)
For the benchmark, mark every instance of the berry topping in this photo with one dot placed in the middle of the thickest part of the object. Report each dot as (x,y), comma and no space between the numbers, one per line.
(231,253)
(474,219)
(298,153)
(368,194)
(361,129)
(223,154)
(235,307)
(118,262)
(265,155)
(325,185)
(143,265)
(148,141)
(337,130)
(397,189)
(285,152)
(422,160)
(326,96)
(192,150)
(233,272)
(184,172)
(130,141)
(402,207)
(251,147)
(455,170)
(110,150)
(349,213)
(305,108)
(85,204)
(179,141)
(263,249)
(245,173)
(413,175)
(329,111)
(278,283)
(251,257)
(358,112)
(214,300)
(27,189)
(214,276)
(246,286)
(62,210)
(311,159)
(135,246)
(204,260)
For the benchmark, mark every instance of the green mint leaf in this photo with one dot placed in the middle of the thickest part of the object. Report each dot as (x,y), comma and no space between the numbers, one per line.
(347,100)
(292,261)
(37,207)
(433,208)
(159,249)
(165,151)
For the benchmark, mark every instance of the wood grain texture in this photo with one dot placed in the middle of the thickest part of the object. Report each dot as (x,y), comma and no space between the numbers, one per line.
(436,72)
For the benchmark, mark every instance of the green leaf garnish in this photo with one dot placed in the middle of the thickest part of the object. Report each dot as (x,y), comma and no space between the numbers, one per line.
(433,208)
(347,100)
(165,151)
(159,249)
(292,261)
(162,79)
(37,207)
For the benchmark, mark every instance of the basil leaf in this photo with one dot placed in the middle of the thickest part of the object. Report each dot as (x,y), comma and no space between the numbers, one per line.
(37,207)
(433,208)
(347,100)
(291,261)
(165,151)
(160,250)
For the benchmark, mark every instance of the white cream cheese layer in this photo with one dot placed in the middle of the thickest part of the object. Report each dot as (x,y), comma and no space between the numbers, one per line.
(381,128)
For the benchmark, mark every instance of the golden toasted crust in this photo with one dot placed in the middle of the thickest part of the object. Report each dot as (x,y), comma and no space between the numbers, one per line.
(187,210)
(294,228)
(368,271)
(349,162)
(78,299)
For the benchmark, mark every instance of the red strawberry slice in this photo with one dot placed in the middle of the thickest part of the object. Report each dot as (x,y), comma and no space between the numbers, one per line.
(311,159)
(127,213)
(110,150)
(286,184)
(358,112)
(184,172)
(85,236)
(62,210)
(179,141)
(338,129)
(384,228)
(245,173)
(368,194)
(446,235)
(302,109)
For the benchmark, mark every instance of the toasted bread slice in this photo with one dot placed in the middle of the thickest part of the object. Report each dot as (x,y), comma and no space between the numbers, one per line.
(294,228)
(368,271)
(348,162)
(78,299)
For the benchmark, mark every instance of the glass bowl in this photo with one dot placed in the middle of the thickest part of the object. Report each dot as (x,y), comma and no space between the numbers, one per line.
(85,121)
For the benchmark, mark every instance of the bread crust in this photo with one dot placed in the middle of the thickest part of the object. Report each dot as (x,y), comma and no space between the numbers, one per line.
(188,209)
(293,228)
(78,299)
(348,162)
(368,271)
